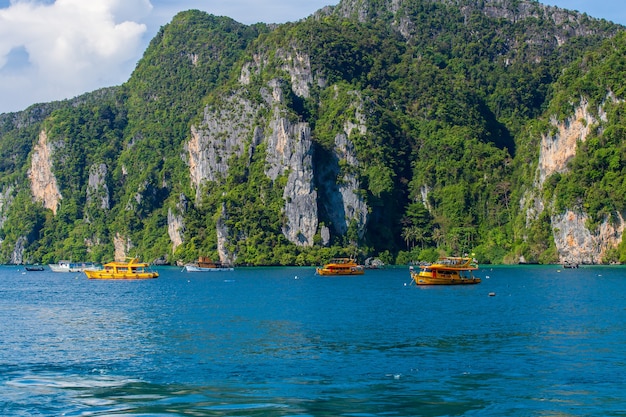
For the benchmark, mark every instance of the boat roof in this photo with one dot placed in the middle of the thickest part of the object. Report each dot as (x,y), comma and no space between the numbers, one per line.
(453,263)
(342,260)
(131,261)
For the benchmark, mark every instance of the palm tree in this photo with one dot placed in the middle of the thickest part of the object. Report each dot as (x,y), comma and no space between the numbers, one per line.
(408,235)
(438,236)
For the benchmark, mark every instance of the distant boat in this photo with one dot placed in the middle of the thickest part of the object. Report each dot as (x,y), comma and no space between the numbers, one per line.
(447,271)
(34,268)
(205,264)
(374,263)
(570,265)
(341,266)
(68,266)
(133,269)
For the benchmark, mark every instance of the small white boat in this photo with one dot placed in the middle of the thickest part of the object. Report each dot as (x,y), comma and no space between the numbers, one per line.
(205,264)
(196,268)
(68,266)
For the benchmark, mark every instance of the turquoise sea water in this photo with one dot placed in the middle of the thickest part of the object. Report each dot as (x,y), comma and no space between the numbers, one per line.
(285,342)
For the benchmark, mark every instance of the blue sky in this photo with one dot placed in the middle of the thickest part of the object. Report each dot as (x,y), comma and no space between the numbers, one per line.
(57,49)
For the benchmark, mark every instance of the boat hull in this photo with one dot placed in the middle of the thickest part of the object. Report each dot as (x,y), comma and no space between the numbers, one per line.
(34,268)
(341,266)
(429,280)
(110,275)
(195,268)
(64,266)
(447,271)
(122,270)
(336,272)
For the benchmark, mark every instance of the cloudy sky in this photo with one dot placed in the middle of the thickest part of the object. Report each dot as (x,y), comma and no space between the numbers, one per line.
(57,49)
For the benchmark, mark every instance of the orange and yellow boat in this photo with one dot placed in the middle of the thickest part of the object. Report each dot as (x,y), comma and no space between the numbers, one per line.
(447,271)
(341,266)
(133,269)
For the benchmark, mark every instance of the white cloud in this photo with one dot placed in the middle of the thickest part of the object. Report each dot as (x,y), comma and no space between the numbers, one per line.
(59,50)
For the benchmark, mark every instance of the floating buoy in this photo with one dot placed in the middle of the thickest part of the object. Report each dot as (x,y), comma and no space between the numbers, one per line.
(492,294)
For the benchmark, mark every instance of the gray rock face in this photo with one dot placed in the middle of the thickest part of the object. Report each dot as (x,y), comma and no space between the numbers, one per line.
(222,134)
(222,239)
(97,190)
(227,131)
(289,151)
(341,202)
(17,256)
(6,199)
(577,244)
(175,223)
(237,124)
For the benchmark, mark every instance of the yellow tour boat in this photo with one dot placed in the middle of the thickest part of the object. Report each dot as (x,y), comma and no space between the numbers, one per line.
(341,266)
(447,271)
(133,269)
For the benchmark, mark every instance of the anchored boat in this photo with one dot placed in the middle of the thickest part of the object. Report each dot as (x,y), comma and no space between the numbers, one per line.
(205,264)
(341,266)
(69,266)
(133,269)
(447,271)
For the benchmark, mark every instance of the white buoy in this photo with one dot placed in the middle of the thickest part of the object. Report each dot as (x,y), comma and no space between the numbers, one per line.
(492,294)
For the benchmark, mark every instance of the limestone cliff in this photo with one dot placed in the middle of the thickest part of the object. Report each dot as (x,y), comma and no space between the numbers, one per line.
(558,148)
(122,246)
(290,152)
(222,238)
(175,223)
(340,185)
(568,23)
(6,197)
(97,189)
(576,244)
(574,241)
(235,124)
(42,180)
(222,134)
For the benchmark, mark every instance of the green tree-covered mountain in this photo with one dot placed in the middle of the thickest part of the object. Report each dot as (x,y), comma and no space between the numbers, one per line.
(398,129)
